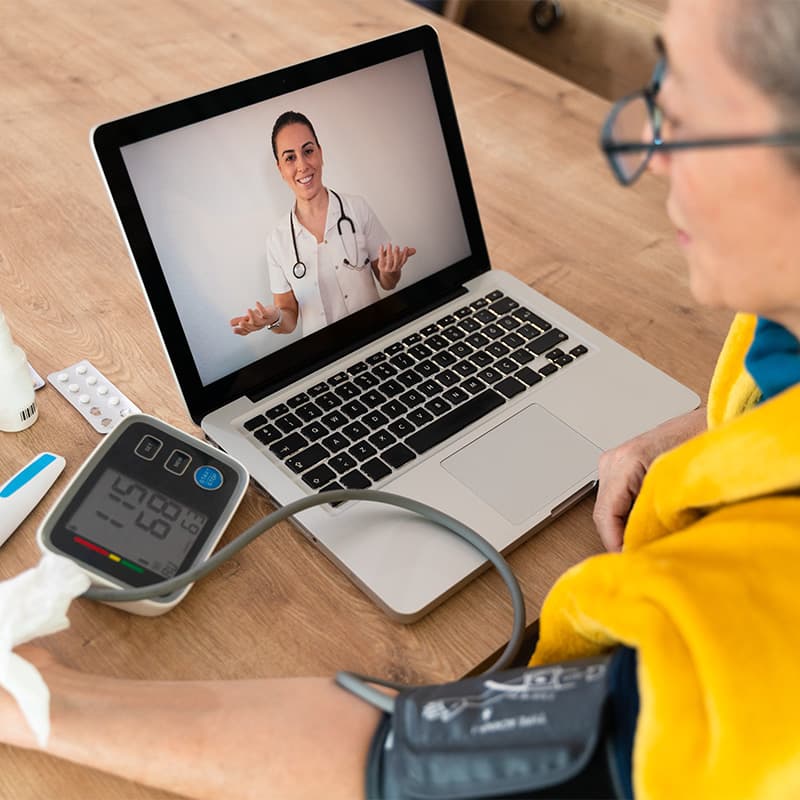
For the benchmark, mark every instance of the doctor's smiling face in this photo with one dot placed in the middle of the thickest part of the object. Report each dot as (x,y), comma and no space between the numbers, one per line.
(299,160)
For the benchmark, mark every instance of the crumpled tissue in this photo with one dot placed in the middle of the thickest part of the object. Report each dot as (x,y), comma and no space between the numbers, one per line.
(33,604)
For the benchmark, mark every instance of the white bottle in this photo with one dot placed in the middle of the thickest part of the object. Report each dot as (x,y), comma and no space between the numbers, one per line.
(18,408)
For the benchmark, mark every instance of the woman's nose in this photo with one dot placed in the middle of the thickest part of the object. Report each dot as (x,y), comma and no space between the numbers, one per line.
(659,163)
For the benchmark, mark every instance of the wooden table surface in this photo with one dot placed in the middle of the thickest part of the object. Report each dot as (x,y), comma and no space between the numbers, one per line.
(552,215)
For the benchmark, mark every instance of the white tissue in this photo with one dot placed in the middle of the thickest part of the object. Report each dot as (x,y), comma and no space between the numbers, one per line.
(35,604)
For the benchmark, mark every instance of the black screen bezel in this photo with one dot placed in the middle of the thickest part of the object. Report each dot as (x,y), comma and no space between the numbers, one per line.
(274,371)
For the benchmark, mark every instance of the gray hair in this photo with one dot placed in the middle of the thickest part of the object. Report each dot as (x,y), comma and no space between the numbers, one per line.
(761,40)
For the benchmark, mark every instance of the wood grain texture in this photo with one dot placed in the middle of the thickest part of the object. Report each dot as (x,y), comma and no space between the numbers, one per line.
(552,216)
(605,46)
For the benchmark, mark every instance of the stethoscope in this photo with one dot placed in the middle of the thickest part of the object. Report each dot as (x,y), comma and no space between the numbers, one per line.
(299,268)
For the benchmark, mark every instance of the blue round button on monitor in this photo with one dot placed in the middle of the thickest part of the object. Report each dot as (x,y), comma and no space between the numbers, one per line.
(208,478)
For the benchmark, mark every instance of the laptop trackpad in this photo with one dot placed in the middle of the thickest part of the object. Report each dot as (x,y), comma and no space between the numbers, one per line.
(525,463)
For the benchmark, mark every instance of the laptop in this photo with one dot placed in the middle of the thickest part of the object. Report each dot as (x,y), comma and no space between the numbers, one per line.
(460,387)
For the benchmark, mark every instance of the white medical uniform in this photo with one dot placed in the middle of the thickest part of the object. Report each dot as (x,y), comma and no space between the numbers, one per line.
(330,289)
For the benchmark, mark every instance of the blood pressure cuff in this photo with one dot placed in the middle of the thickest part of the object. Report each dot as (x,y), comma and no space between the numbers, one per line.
(523,733)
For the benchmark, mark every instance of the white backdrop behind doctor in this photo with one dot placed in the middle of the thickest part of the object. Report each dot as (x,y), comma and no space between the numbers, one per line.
(210,195)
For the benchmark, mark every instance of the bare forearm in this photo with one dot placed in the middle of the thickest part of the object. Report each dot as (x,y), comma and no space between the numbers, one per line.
(282,738)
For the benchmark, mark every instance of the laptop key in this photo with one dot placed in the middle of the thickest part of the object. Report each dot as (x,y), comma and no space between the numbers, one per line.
(391,388)
(548,369)
(357,368)
(462,312)
(485,316)
(401,427)
(564,360)
(479,303)
(328,401)
(318,389)
(336,442)
(546,341)
(469,325)
(394,409)
(438,406)
(342,462)
(453,333)
(376,469)
(526,315)
(420,417)
(319,476)
(268,434)
(288,445)
(466,368)
(455,395)
(409,378)
(429,330)
(367,380)
(301,461)
(522,356)
(375,420)
(527,375)
(402,361)
(381,439)
(504,305)
(394,349)
(420,352)
(430,388)
(447,378)
(493,331)
(398,455)
(489,375)
(478,340)
(578,351)
(509,387)
(339,377)
(372,398)
(497,349)
(446,321)
(473,385)
(362,450)
(353,409)
(436,342)
(506,366)
(355,480)
(513,341)
(427,368)
(411,398)
(495,295)
(255,422)
(288,423)
(554,354)
(334,420)
(443,359)
(308,412)
(384,371)
(355,431)
(332,487)
(347,391)
(297,400)
(376,358)
(277,411)
(314,431)
(527,332)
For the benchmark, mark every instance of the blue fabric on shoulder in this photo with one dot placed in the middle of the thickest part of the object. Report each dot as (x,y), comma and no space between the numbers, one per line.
(773,359)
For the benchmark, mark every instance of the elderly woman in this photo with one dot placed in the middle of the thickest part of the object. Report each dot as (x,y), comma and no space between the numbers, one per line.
(702,600)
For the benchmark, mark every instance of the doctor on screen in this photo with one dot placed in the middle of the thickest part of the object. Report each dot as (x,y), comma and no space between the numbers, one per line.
(327,252)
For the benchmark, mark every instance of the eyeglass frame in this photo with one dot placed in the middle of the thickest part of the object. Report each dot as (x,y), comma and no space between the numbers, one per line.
(611,148)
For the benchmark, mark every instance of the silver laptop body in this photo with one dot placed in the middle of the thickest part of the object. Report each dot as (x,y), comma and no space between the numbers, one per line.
(507,472)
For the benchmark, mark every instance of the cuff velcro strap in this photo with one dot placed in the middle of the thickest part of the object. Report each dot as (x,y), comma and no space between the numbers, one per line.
(507,735)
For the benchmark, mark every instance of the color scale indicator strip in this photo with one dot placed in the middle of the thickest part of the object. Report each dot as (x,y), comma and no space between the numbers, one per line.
(103,552)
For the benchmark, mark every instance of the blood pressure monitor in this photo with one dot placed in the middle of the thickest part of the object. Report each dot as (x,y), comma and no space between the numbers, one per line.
(150,503)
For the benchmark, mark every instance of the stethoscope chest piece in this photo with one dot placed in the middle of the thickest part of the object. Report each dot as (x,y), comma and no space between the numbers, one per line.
(299,269)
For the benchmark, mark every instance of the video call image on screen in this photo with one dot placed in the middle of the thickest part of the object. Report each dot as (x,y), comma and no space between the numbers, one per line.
(217,208)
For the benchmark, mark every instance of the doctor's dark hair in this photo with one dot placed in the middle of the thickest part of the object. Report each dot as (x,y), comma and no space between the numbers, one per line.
(290,118)
(761,39)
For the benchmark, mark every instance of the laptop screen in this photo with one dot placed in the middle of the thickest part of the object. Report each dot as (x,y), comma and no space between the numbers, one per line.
(216,203)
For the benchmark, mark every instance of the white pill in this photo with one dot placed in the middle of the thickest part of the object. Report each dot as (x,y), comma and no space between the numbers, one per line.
(73,387)
(81,370)
(113,401)
(102,390)
(91,380)
(84,398)
(63,377)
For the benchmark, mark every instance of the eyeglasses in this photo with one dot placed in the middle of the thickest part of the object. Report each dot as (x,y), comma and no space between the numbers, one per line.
(632,132)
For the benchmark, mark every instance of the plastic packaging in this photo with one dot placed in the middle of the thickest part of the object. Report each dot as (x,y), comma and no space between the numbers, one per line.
(18,409)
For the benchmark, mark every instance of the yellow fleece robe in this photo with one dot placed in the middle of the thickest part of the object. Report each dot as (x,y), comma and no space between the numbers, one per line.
(707,589)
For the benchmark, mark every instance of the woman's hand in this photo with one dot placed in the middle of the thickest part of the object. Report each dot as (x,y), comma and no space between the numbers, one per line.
(255,319)
(389,264)
(14,729)
(622,471)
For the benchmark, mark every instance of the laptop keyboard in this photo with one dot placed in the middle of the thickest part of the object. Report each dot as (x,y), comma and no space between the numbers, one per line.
(356,427)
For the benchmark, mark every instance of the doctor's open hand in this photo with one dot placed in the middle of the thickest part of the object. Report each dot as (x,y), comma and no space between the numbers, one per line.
(255,319)
(389,264)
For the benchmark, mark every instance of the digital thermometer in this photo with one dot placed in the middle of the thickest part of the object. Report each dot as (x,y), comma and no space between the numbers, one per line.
(150,503)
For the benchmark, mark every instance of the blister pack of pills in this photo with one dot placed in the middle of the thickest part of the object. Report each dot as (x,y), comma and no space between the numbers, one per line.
(93,395)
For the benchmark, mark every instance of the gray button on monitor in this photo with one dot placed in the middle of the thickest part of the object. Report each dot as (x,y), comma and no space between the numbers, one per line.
(148,447)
